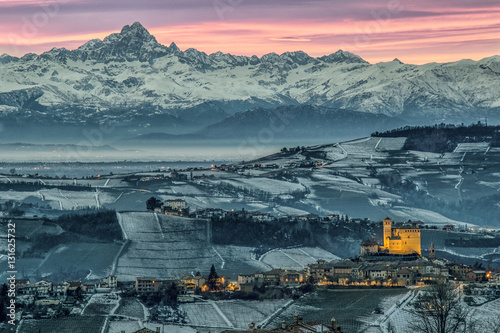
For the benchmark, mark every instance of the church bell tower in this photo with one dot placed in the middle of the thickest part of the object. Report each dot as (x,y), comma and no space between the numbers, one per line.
(387,232)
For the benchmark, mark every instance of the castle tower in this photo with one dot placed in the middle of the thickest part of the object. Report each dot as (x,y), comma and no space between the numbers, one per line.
(387,232)
(432,251)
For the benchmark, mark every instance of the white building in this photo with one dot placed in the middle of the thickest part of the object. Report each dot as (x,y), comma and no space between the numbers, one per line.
(176,204)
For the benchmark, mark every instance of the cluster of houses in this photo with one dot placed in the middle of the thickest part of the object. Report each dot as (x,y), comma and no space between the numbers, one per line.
(488,290)
(180,207)
(265,217)
(358,273)
(468,273)
(188,173)
(259,166)
(48,293)
(186,285)
(383,273)
(346,273)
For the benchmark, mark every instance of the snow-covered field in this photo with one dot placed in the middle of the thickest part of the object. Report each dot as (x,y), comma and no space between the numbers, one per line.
(204,314)
(237,259)
(68,200)
(386,144)
(119,326)
(62,200)
(427,216)
(231,314)
(348,307)
(477,147)
(297,258)
(267,185)
(181,189)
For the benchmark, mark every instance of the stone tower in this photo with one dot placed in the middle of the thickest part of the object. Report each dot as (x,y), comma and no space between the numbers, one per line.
(432,251)
(387,231)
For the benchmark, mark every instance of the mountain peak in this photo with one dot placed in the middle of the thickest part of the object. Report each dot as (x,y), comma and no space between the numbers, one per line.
(174,46)
(5,58)
(134,42)
(136,27)
(343,57)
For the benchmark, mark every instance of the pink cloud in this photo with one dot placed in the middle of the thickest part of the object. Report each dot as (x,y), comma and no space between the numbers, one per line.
(415,32)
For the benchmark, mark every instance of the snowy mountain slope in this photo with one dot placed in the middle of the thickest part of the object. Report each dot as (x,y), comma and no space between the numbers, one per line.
(131,70)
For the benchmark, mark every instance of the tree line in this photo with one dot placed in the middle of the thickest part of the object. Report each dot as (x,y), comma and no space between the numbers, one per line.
(102,224)
(235,230)
(441,138)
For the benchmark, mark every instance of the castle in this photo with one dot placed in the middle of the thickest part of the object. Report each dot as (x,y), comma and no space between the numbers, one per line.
(401,240)
(397,240)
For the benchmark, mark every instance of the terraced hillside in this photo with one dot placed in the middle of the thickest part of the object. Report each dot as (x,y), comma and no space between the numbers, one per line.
(165,246)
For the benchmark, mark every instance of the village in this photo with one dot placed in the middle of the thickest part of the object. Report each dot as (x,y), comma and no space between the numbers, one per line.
(395,261)
(344,273)
(398,262)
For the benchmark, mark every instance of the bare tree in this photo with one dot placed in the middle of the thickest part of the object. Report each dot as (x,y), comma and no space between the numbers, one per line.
(439,309)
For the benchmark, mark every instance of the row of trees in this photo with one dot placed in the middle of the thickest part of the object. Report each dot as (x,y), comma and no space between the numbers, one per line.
(102,224)
(266,235)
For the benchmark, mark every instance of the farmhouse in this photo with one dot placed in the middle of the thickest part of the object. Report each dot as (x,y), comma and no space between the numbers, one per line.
(405,277)
(25,288)
(60,288)
(320,270)
(246,279)
(89,287)
(346,268)
(379,272)
(291,278)
(147,284)
(272,276)
(459,271)
(43,288)
(109,282)
(476,276)
(175,204)
(193,282)
(448,227)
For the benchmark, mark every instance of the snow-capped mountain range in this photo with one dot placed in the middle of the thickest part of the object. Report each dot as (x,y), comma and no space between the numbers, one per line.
(129,74)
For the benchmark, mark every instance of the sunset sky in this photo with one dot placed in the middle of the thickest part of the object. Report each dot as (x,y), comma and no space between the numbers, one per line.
(414,31)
